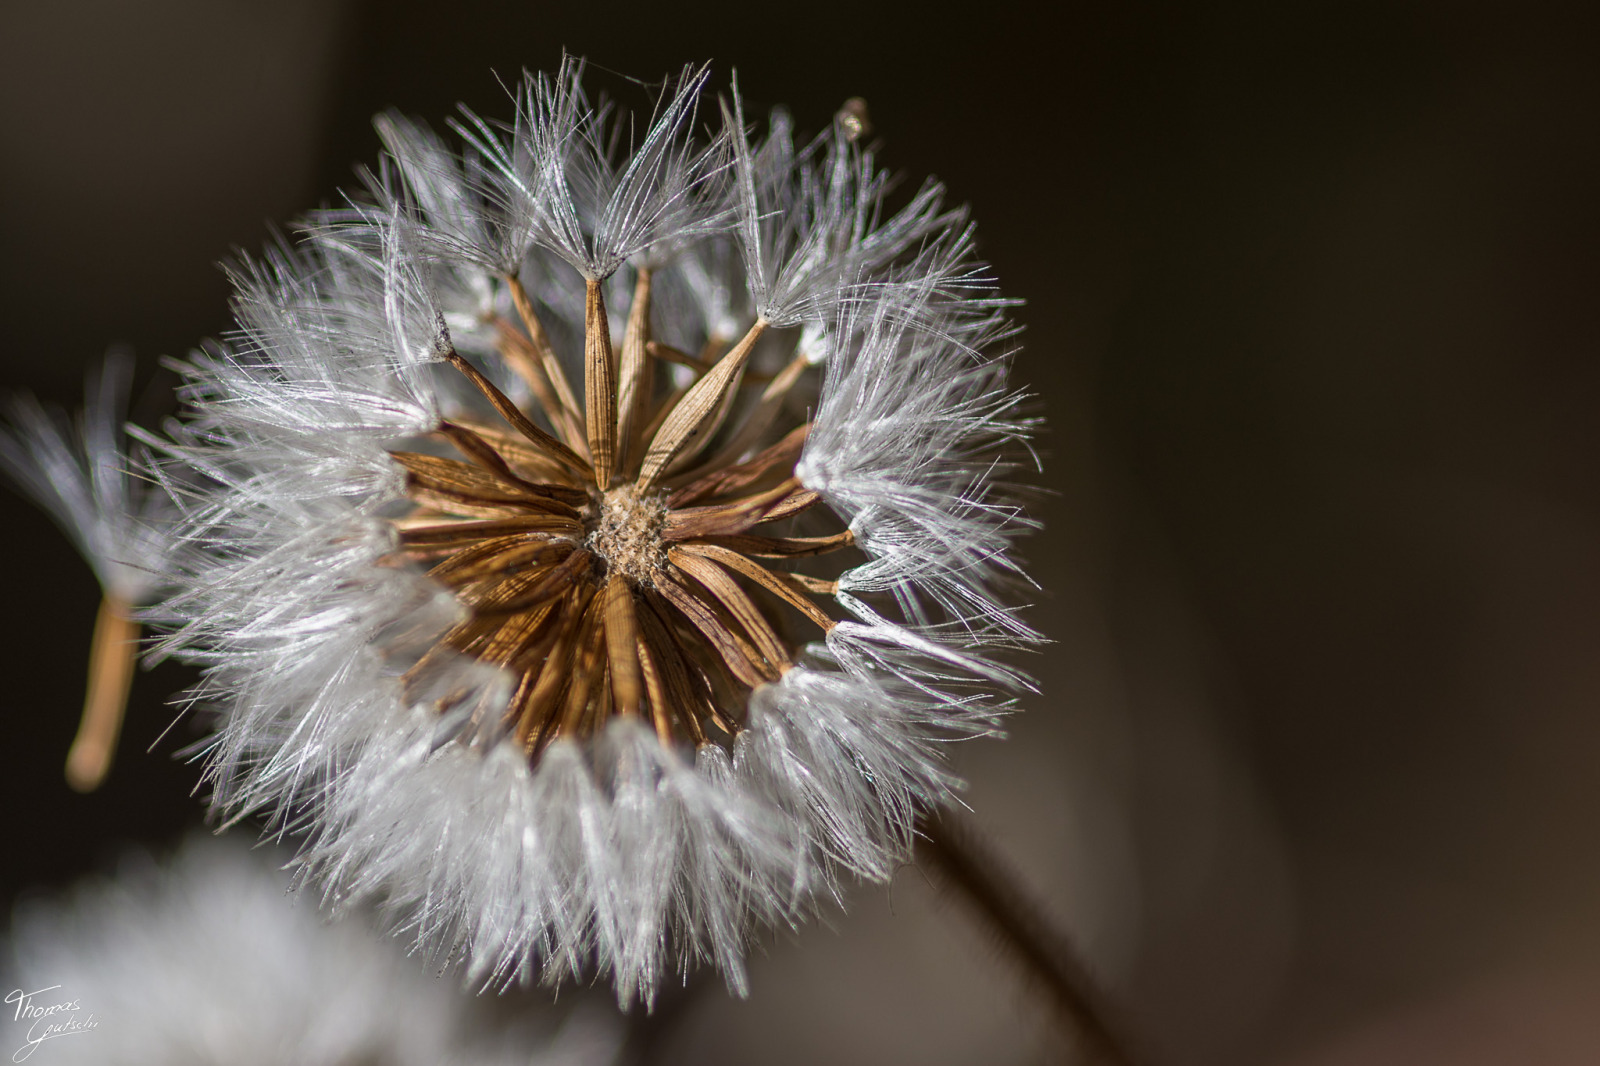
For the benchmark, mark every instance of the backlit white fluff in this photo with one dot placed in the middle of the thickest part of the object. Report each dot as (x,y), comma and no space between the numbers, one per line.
(809,221)
(921,473)
(555,178)
(207,959)
(79,474)
(619,857)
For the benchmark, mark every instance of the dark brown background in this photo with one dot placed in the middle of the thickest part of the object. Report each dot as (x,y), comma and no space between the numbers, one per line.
(1311,305)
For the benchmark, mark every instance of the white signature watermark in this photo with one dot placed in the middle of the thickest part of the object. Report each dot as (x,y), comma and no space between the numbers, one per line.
(47,1017)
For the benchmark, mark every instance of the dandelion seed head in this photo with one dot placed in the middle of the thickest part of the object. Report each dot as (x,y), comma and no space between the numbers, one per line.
(590,542)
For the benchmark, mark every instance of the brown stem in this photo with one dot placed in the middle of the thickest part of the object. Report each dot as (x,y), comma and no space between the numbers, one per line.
(115,643)
(953,852)
(480,451)
(761,419)
(635,374)
(518,353)
(698,415)
(513,414)
(572,419)
(599,387)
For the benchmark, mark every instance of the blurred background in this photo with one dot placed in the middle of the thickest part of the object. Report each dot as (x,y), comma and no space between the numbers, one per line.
(1311,306)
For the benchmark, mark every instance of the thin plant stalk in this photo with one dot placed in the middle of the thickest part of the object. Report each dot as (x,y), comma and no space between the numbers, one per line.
(971,869)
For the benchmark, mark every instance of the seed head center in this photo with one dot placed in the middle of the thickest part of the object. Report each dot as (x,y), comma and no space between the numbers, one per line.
(626,533)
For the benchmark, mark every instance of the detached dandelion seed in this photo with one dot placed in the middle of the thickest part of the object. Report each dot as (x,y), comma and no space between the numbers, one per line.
(79,474)
(591,536)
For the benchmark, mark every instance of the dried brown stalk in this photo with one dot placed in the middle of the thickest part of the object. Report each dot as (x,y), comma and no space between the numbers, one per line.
(599,387)
(636,370)
(112,652)
(700,413)
(568,415)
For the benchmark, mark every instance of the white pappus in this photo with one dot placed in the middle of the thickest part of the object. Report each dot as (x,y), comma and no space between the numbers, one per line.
(590,544)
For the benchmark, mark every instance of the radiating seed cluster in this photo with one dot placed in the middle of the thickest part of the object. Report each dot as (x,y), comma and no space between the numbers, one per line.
(613,573)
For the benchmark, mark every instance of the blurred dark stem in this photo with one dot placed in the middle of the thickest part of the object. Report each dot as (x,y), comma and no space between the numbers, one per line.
(953,852)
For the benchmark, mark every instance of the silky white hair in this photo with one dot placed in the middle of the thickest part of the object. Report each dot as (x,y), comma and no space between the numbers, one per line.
(620,856)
